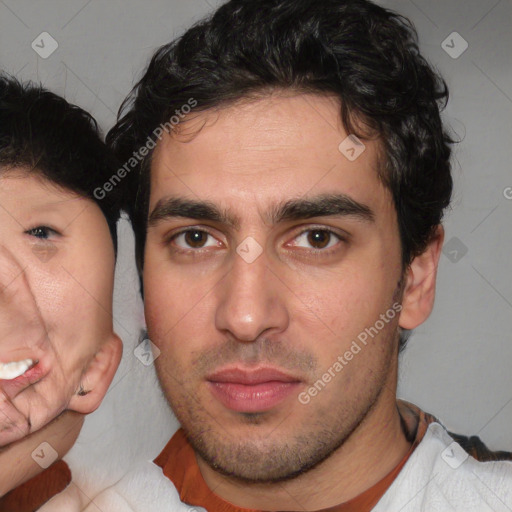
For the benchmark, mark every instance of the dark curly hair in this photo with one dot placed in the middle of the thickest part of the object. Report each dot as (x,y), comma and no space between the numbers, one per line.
(43,133)
(365,55)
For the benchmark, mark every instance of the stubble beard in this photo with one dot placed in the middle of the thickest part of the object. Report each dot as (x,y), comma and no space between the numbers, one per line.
(280,454)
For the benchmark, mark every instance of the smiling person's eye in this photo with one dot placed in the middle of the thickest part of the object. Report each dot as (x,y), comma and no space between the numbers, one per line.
(41,232)
(316,239)
(194,239)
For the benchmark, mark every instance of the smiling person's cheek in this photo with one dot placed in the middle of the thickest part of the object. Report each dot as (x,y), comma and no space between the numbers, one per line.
(74,294)
(75,288)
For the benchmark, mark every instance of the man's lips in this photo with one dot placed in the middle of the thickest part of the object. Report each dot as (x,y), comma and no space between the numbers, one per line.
(251,390)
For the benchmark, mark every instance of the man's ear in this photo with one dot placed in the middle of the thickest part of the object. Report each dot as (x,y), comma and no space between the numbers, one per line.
(98,376)
(420,285)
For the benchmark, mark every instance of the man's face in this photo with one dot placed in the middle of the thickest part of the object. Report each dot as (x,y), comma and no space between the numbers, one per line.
(57,274)
(268,253)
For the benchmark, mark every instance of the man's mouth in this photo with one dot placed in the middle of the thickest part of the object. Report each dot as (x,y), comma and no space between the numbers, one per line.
(252,390)
(14,369)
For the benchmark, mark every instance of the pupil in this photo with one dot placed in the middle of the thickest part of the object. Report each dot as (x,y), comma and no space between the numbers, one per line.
(39,232)
(319,239)
(195,238)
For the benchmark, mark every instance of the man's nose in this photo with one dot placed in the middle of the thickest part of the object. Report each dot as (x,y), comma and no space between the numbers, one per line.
(251,301)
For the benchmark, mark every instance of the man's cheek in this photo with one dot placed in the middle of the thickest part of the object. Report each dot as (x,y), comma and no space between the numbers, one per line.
(178,317)
(173,373)
(159,324)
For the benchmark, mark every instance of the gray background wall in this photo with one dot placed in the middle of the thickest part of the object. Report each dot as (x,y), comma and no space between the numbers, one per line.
(458,364)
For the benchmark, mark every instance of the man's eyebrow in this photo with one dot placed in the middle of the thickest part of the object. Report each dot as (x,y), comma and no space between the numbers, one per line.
(322,206)
(294,209)
(173,207)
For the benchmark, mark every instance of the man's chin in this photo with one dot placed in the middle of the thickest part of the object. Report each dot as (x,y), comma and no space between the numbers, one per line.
(265,459)
(267,471)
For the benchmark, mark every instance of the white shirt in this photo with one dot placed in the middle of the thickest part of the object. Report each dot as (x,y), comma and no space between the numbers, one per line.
(439,476)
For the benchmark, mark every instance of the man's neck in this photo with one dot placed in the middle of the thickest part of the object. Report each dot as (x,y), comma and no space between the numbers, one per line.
(61,434)
(372,451)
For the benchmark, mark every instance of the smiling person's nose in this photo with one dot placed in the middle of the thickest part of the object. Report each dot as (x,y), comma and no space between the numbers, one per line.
(250,301)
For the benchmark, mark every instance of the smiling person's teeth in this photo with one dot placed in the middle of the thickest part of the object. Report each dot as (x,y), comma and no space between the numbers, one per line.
(14,369)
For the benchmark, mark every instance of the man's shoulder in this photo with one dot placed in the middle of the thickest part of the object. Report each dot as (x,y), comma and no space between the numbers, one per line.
(441,475)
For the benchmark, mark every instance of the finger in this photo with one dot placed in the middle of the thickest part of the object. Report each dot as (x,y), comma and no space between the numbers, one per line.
(13,424)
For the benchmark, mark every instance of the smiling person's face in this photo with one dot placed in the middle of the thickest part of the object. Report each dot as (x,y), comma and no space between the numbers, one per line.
(57,276)
(246,326)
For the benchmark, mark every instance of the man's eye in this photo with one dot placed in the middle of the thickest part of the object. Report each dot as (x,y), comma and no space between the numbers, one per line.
(41,232)
(316,239)
(194,239)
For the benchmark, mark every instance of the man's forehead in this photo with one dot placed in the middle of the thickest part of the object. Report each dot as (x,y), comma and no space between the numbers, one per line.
(280,122)
(231,161)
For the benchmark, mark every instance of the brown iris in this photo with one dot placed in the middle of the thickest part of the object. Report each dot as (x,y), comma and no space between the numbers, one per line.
(319,239)
(196,239)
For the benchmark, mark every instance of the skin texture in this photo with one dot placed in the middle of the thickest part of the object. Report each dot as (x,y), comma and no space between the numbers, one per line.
(297,307)
(56,302)
(61,434)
